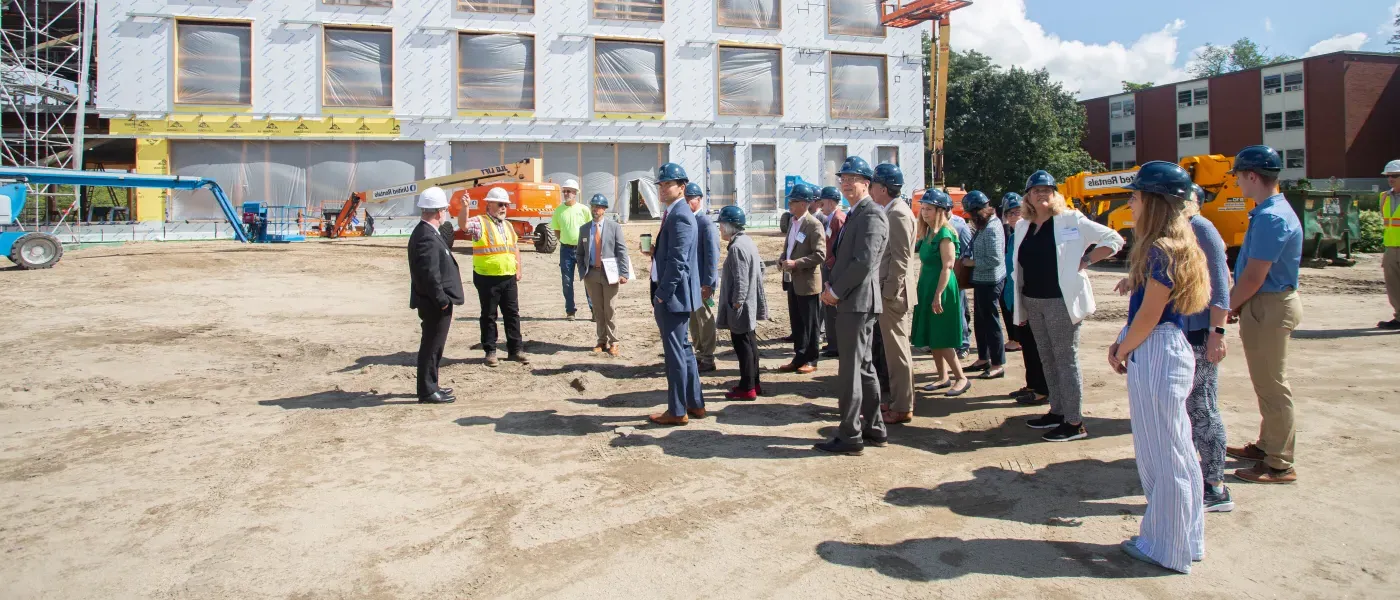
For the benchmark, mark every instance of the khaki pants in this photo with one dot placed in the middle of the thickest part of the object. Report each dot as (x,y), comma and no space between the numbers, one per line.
(702,333)
(894,329)
(601,294)
(1266,322)
(1390,264)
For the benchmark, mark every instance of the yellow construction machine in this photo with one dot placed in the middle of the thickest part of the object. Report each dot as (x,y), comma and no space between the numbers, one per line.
(1102,197)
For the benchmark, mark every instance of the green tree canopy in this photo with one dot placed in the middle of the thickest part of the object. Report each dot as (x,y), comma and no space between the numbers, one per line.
(1129,86)
(1212,60)
(1395,37)
(1003,125)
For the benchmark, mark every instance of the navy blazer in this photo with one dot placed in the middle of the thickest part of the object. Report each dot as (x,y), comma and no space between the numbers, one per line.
(677,261)
(708,233)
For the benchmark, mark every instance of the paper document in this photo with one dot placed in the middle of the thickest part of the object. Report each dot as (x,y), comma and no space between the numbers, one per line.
(610,270)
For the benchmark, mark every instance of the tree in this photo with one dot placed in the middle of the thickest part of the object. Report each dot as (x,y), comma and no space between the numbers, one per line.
(1129,86)
(1395,38)
(1005,124)
(1212,60)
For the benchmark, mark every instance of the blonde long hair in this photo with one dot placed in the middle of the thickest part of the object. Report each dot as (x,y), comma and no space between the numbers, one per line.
(1057,206)
(1165,224)
(925,229)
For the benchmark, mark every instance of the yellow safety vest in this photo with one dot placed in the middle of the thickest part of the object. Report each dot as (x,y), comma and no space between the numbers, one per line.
(1390,219)
(493,252)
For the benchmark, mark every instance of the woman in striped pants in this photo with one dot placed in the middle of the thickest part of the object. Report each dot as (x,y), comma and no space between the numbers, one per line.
(1168,276)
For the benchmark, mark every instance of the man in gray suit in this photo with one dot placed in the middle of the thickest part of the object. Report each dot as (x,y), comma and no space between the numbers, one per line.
(600,246)
(855,290)
(742,302)
(894,292)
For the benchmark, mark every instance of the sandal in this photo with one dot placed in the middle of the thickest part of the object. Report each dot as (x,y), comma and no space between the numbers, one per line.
(997,374)
(933,387)
(958,392)
(1009,348)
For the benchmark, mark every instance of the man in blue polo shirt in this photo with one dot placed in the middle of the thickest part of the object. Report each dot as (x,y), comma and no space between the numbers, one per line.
(1265,298)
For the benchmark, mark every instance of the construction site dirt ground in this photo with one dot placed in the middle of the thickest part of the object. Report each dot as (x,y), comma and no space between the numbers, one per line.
(213,420)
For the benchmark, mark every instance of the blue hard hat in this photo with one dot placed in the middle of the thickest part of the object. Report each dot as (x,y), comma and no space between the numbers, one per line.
(938,198)
(975,200)
(598,200)
(692,190)
(1200,193)
(831,193)
(856,165)
(803,192)
(888,175)
(1260,159)
(1162,177)
(1038,179)
(1010,200)
(671,172)
(732,215)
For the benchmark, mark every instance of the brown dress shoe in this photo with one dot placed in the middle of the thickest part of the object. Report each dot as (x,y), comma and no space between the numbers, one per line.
(696,413)
(614,350)
(667,419)
(787,368)
(599,349)
(1262,473)
(806,370)
(1246,452)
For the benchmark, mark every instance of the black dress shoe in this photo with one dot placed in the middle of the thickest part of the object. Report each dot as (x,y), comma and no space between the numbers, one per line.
(447,392)
(836,446)
(830,353)
(437,398)
(878,442)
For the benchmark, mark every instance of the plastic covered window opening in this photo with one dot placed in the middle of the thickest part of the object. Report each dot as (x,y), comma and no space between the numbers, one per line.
(634,10)
(359,68)
(763,174)
(854,17)
(858,87)
(518,7)
(214,63)
(629,77)
(752,14)
(495,72)
(369,3)
(750,81)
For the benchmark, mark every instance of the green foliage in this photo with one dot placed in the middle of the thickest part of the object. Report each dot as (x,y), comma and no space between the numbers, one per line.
(1372,233)
(1214,60)
(1129,86)
(1005,124)
(1395,37)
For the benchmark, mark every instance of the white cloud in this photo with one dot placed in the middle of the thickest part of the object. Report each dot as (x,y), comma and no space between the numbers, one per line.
(1337,43)
(1268,25)
(1001,30)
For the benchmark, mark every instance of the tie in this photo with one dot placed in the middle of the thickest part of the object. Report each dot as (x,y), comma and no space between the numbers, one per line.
(598,245)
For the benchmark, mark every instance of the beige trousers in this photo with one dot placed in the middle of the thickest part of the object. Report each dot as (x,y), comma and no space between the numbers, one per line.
(602,294)
(1266,322)
(1390,265)
(894,329)
(702,332)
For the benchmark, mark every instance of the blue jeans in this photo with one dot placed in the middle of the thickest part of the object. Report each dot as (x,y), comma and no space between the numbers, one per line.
(567,267)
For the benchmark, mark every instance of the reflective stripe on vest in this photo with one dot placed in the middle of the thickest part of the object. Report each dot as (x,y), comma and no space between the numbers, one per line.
(493,252)
(1390,219)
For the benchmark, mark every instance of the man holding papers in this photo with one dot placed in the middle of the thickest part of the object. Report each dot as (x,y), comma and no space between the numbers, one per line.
(603,265)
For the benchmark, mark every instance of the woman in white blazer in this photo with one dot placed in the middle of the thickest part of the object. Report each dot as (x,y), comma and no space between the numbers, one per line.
(1053,295)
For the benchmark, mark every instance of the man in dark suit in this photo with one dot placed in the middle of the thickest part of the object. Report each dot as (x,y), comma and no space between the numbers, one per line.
(600,245)
(702,321)
(437,286)
(801,261)
(855,291)
(676,271)
(835,220)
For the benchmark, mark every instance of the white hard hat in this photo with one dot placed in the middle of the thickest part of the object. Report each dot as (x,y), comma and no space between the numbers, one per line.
(498,195)
(570,184)
(1392,168)
(432,198)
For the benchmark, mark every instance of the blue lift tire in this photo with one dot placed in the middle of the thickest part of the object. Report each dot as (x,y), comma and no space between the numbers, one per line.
(36,251)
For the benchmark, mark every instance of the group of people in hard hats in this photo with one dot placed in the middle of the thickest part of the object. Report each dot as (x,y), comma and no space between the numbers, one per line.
(846,276)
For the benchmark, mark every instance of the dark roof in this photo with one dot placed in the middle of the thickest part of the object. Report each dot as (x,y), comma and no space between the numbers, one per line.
(1339,53)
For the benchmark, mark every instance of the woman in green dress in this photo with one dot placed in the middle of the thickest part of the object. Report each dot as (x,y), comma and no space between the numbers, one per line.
(937,317)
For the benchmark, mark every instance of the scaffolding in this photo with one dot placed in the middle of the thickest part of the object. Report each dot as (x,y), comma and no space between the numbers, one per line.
(45,93)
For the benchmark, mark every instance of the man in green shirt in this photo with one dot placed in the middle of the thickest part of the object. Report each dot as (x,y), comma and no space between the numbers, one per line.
(568,218)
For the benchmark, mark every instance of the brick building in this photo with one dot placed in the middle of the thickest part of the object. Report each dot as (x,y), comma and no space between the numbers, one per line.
(1334,115)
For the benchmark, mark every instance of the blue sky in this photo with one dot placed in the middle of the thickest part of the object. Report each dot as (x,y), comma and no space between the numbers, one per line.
(1091,45)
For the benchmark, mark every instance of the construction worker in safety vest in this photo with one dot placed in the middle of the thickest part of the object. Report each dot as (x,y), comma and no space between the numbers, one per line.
(1390,262)
(495,272)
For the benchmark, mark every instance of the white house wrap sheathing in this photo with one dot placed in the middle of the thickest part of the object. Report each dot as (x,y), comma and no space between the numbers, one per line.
(137,58)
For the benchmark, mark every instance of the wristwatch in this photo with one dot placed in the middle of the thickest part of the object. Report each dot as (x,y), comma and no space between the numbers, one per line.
(1220,330)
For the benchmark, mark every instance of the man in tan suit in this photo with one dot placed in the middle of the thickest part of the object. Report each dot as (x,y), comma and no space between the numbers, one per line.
(894,291)
(803,255)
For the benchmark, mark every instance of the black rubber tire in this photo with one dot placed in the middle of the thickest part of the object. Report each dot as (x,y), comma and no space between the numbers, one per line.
(448,233)
(785,223)
(545,240)
(51,251)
